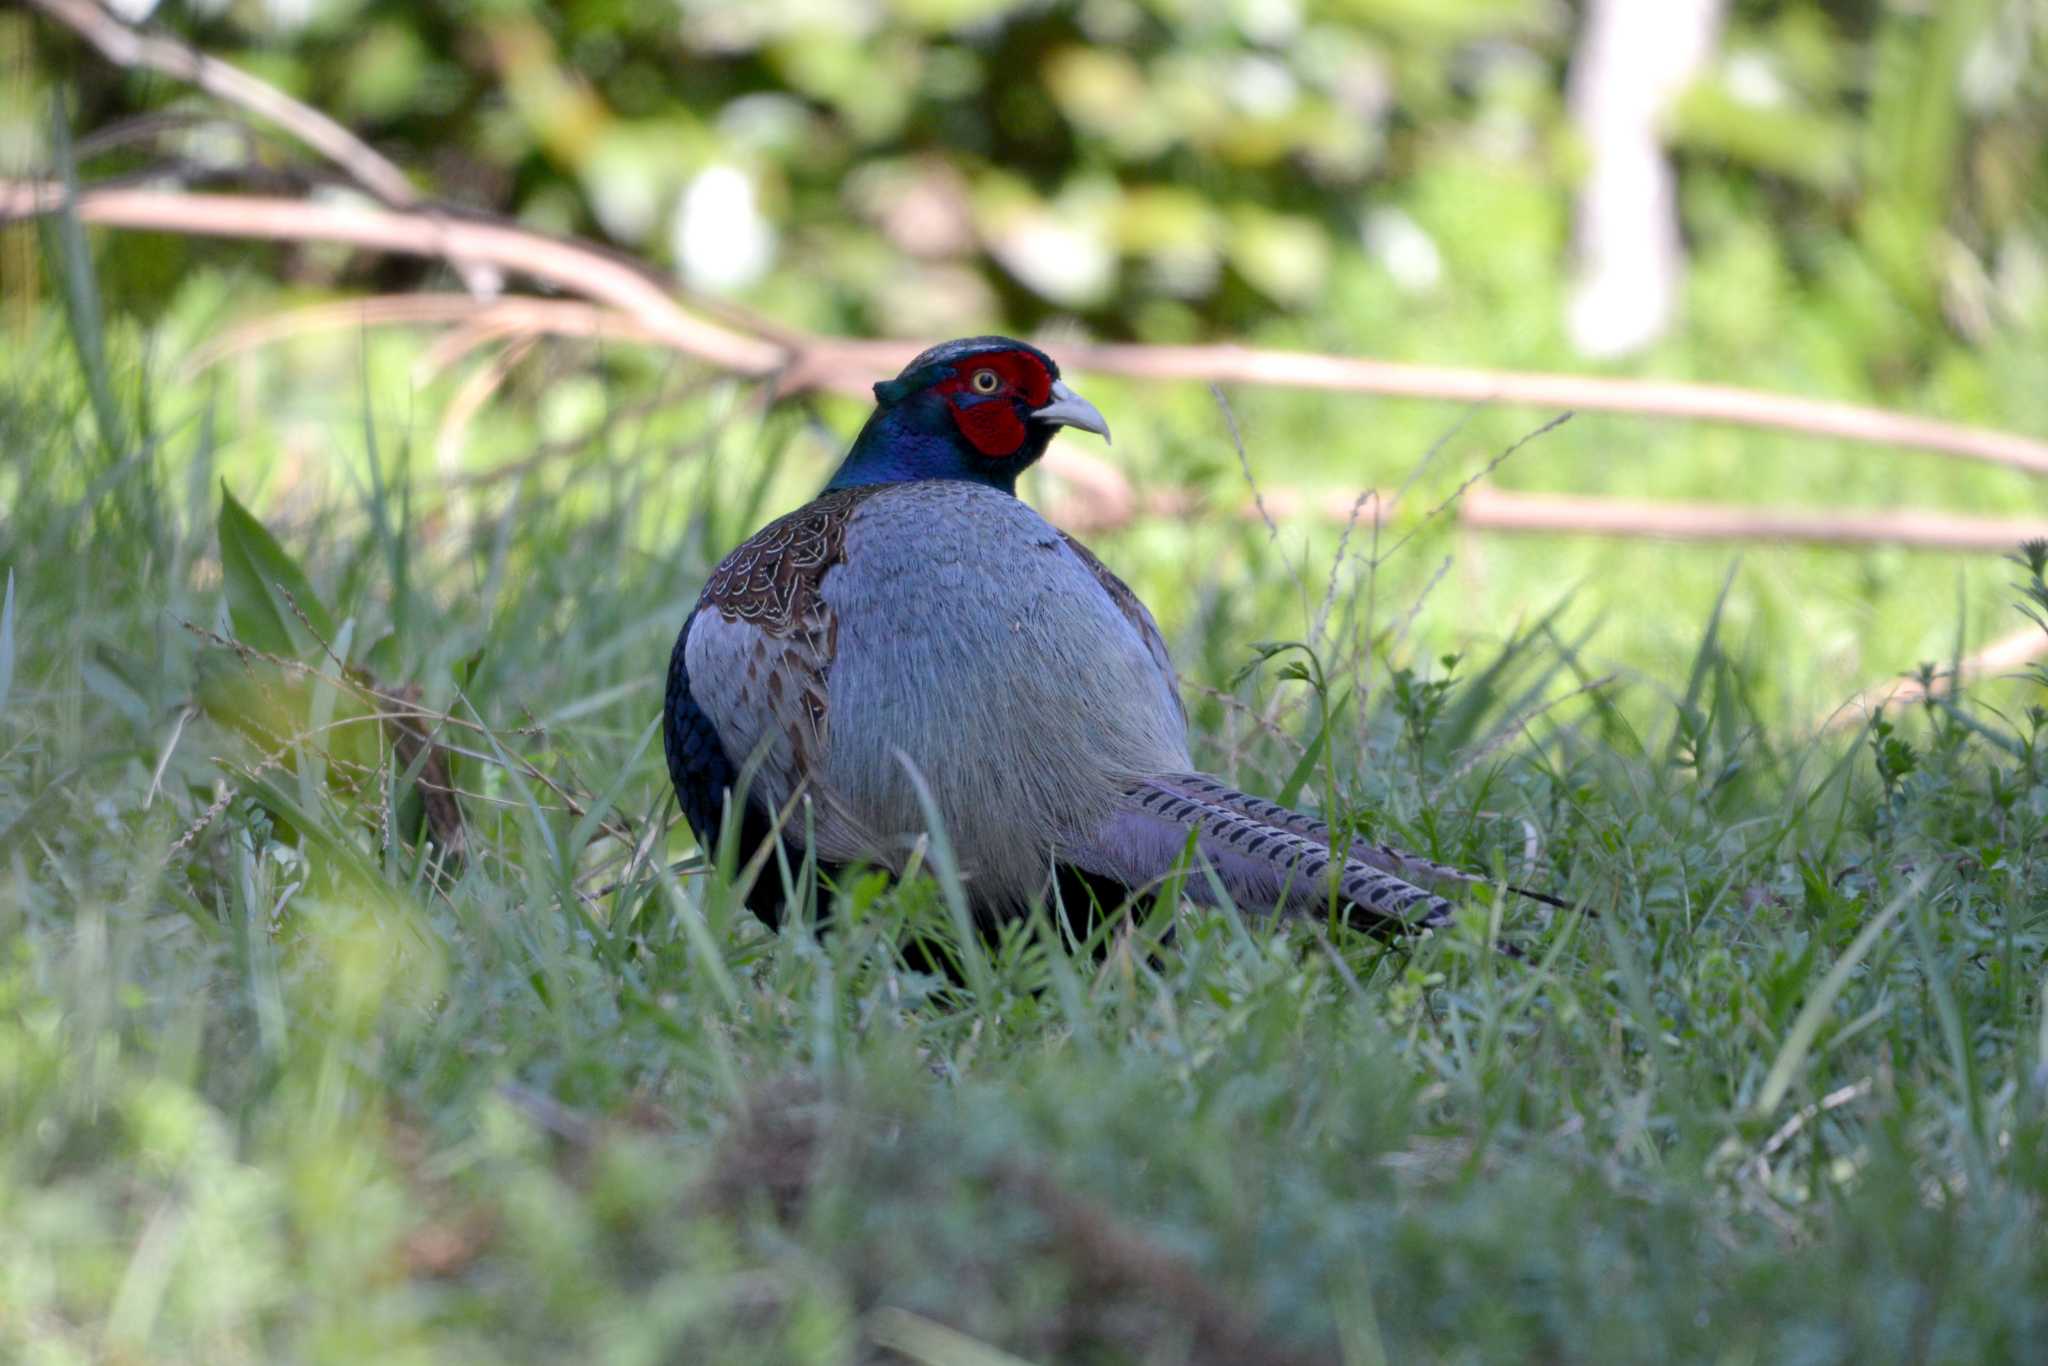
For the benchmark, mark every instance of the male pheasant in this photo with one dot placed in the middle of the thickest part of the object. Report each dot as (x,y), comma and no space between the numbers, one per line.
(916,625)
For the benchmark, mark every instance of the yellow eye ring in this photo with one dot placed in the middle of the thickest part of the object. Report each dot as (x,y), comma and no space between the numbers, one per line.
(985,381)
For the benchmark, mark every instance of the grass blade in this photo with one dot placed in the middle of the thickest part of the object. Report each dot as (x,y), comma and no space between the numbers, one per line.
(64,238)
(263,583)
(7,642)
(1799,1041)
(1702,666)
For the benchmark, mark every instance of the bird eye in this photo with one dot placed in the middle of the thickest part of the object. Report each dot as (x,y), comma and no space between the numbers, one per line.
(985,381)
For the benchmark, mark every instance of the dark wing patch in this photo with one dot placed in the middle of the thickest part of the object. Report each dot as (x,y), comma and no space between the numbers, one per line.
(698,766)
(771,583)
(772,580)
(772,586)
(1135,612)
(702,774)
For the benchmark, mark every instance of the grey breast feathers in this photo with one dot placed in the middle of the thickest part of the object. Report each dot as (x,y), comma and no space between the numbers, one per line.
(1135,612)
(979,647)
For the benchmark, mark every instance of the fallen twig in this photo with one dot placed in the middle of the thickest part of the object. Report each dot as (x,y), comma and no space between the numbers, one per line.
(2023,646)
(628,302)
(404,709)
(803,361)
(1593,393)
(129,47)
(510,315)
(1490,509)
(573,266)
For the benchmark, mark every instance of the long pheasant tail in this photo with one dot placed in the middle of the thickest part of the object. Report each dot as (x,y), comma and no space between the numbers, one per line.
(1557,901)
(1425,873)
(1259,863)
(1265,855)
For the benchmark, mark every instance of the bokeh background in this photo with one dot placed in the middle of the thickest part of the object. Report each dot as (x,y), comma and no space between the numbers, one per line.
(1853,210)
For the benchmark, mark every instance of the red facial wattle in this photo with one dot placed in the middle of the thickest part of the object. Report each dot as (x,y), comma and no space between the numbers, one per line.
(989,419)
(991,427)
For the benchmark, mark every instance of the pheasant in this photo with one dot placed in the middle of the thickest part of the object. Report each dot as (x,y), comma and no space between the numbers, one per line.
(918,635)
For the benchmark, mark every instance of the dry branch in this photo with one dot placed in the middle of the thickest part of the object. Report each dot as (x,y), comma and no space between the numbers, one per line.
(625,301)
(1490,509)
(802,361)
(129,47)
(517,315)
(2003,655)
(1647,398)
(569,266)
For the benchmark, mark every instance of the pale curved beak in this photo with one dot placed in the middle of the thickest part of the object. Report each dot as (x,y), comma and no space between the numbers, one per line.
(1069,409)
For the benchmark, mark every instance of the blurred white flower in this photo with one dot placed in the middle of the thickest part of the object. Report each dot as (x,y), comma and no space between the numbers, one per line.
(134,11)
(945,300)
(626,179)
(765,121)
(1403,249)
(1261,86)
(1272,22)
(1183,270)
(1752,79)
(722,240)
(1060,261)
(289,14)
(1999,60)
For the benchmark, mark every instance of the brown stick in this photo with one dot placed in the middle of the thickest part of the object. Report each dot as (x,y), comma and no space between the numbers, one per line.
(566,265)
(1649,398)
(511,315)
(2007,653)
(469,400)
(1108,500)
(1491,509)
(128,47)
(820,362)
(131,48)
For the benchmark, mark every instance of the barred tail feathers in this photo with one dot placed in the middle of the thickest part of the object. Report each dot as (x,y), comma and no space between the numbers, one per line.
(1260,862)
(1424,873)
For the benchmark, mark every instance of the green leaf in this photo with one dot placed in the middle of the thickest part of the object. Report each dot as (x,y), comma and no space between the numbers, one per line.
(1799,1041)
(262,582)
(64,237)
(1702,664)
(593,817)
(1298,779)
(464,670)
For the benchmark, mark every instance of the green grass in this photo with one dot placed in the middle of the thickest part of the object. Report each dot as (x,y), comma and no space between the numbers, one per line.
(275,1085)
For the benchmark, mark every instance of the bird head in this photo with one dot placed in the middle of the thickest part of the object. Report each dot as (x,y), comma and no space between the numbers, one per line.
(980,409)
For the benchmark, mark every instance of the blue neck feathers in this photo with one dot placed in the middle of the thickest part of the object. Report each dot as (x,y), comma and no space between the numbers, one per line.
(917,438)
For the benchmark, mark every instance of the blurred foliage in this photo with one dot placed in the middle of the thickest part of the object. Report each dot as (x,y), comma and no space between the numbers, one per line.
(1861,192)
(1155,168)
